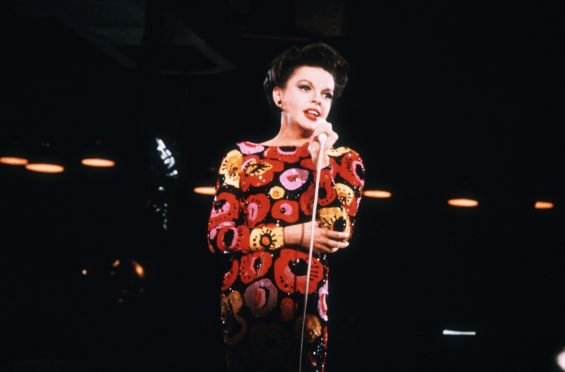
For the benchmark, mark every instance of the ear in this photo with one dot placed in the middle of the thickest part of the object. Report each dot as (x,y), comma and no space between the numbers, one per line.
(277,95)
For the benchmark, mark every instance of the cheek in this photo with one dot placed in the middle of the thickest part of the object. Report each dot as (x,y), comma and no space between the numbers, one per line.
(326,108)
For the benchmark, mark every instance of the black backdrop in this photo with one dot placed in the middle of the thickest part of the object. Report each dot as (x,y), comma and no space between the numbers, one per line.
(442,95)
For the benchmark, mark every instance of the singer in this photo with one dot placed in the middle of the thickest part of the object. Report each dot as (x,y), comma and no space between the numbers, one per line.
(261,219)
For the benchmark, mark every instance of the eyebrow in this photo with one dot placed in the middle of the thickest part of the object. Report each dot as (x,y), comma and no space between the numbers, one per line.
(309,82)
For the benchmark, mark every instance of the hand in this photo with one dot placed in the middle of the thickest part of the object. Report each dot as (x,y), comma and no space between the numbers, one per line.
(314,148)
(325,240)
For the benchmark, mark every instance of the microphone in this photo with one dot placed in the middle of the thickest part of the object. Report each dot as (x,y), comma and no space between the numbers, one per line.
(322,138)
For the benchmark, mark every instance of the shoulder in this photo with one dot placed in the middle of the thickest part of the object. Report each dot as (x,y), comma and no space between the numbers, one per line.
(248,147)
(242,148)
(234,154)
(339,153)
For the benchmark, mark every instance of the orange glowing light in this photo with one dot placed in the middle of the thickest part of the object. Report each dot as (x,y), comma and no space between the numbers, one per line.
(462,202)
(116,263)
(45,168)
(378,194)
(11,160)
(543,205)
(98,162)
(138,269)
(205,190)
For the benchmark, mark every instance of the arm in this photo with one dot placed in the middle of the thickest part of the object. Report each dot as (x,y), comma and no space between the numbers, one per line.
(227,228)
(341,184)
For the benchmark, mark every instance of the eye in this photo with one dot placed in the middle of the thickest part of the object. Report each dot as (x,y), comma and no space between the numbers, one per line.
(305,88)
(328,95)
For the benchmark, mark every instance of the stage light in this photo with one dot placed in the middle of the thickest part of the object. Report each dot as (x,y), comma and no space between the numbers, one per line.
(205,190)
(560,359)
(543,205)
(138,269)
(13,153)
(450,332)
(44,159)
(463,202)
(13,160)
(45,168)
(98,162)
(97,154)
(378,194)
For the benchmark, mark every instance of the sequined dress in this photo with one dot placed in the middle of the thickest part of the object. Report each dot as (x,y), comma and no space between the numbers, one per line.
(260,190)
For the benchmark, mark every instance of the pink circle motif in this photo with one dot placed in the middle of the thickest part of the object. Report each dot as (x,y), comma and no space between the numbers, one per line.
(354,166)
(286,209)
(225,208)
(294,178)
(250,148)
(261,297)
(252,210)
(322,304)
(229,245)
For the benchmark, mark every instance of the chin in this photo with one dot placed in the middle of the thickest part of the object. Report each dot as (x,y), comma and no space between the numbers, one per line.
(307,125)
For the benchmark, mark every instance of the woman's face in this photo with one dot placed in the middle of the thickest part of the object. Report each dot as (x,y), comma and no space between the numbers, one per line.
(307,96)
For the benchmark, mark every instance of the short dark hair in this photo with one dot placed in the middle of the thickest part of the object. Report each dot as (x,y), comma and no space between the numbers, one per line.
(315,55)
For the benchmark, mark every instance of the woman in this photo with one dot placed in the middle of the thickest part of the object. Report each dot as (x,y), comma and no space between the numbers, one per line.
(261,217)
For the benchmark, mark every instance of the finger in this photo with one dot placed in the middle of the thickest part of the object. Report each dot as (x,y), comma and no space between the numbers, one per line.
(337,235)
(323,127)
(333,244)
(321,247)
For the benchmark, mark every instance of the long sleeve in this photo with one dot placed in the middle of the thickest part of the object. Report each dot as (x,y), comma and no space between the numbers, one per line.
(342,181)
(228,228)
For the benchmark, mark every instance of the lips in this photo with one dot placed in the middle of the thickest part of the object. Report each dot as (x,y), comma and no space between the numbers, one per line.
(312,114)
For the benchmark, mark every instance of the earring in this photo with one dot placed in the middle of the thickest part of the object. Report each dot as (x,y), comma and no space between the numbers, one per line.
(279,102)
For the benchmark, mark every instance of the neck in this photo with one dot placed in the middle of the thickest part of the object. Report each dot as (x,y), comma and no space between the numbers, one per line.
(290,134)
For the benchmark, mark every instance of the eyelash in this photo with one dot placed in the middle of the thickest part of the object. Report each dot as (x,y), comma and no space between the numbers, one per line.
(327,95)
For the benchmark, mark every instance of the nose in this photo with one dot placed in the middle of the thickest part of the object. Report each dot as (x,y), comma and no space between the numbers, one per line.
(316,97)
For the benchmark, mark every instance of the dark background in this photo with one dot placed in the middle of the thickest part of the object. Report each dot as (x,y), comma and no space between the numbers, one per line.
(444,98)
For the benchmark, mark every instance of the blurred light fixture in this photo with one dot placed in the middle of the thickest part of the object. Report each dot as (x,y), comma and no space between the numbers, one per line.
(84,272)
(98,162)
(463,202)
(13,160)
(205,190)
(377,194)
(560,359)
(44,160)
(543,205)
(138,269)
(462,194)
(13,153)
(450,332)
(98,155)
(45,168)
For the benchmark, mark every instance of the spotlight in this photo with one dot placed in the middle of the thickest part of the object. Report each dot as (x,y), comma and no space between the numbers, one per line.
(543,205)
(13,160)
(98,155)
(378,194)
(205,190)
(44,160)
(560,359)
(463,202)
(13,153)
(450,332)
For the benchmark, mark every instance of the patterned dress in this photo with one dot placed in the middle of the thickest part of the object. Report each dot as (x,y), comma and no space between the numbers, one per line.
(260,190)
